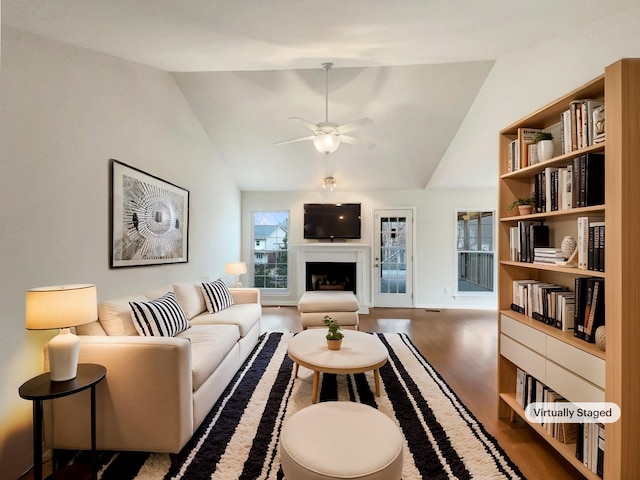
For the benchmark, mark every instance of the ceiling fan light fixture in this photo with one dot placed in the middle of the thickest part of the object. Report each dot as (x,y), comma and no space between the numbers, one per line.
(326,143)
(329,182)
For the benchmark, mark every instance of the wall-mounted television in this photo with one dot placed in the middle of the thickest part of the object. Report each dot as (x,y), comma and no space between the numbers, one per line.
(329,221)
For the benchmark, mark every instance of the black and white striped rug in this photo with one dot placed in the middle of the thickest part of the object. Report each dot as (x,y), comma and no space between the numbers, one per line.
(239,438)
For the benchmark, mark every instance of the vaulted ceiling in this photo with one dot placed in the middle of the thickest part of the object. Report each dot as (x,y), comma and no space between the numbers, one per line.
(413,66)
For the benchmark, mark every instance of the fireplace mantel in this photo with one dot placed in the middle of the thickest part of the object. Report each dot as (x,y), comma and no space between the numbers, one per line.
(358,253)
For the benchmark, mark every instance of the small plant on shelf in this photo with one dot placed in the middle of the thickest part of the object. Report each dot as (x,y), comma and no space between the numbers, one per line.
(523,202)
(334,336)
(542,136)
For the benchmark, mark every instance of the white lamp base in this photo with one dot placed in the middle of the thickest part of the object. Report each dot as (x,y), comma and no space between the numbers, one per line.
(63,356)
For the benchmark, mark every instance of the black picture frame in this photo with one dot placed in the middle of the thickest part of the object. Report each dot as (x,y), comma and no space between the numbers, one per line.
(149,219)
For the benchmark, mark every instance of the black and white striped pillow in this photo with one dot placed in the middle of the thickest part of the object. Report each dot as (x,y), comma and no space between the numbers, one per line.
(162,317)
(217,296)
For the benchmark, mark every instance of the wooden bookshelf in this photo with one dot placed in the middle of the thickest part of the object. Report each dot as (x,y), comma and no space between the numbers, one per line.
(618,87)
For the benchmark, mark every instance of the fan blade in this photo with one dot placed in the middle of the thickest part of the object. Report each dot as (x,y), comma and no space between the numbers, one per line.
(301,139)
(357,141)
(311,126)
(349,127)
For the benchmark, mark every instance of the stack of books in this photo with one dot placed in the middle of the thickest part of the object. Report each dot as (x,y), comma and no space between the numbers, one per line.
(547,255)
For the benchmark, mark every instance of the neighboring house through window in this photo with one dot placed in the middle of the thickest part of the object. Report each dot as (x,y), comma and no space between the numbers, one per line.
(270,250)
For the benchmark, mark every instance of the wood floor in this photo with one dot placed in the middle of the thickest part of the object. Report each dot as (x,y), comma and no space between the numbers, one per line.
(461,345)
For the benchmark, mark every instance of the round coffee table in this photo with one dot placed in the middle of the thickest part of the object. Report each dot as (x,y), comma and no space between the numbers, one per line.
(360,352)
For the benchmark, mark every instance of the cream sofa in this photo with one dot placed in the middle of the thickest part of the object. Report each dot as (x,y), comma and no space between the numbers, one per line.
(158,390)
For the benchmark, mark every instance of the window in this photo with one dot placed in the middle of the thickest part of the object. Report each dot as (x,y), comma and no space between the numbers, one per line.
(475,253)
(270,254)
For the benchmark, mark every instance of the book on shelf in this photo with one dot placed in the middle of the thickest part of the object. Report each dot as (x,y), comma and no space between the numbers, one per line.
(582,124)
(595,310)
(525,138)
(533,154)
(526,244)
(595,257)
(598,119)
(547,255)
(514,244)
(520,296)
(589,311)
(583,240)
(590,446)
(600,454)
(520,153)
(591,180)
(529,390)
(587,107)
(540,193)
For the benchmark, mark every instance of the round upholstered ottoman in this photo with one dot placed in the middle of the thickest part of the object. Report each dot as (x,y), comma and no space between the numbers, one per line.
(341,440)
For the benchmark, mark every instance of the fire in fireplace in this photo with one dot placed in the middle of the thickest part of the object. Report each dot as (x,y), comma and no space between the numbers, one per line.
(331,276)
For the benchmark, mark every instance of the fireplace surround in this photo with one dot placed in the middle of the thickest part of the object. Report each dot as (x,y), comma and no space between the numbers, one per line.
(357,254)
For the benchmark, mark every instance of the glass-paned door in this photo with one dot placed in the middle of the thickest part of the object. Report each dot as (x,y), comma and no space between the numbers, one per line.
(393,258)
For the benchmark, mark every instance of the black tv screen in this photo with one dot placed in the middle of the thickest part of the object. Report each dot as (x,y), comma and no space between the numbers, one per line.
(331,220)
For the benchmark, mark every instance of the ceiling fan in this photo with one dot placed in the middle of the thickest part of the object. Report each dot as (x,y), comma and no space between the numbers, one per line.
(327,135)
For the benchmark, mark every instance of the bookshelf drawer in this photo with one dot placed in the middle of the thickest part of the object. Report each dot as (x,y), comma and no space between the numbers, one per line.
(571,386)
(528,336)
(587,366)
(523,357)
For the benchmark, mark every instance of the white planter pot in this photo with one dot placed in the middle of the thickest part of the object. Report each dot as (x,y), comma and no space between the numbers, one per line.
(545,150)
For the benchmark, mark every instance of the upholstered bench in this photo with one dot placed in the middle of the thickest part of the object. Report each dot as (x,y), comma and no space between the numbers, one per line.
(340,305)
(340,440)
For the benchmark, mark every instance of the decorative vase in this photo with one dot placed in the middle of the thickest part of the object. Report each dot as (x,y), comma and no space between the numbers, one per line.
(601,338)
(568,246)
(525,209)
(334,344)
(545,150)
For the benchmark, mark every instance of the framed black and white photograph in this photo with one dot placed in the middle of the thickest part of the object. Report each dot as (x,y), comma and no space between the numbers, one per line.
(149,219)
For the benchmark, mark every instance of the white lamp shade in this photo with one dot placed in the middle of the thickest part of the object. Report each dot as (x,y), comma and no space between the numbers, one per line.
(235,268)
(326,143)
(61,306)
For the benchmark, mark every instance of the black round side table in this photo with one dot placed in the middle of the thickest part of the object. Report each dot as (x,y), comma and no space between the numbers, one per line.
(41,388)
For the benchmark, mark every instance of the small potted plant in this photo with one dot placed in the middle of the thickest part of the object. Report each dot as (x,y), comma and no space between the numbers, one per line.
(334,336)
(544,145)
(525,205)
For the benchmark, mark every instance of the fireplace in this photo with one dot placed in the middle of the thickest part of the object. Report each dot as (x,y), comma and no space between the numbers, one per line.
(357,254)
(331,276)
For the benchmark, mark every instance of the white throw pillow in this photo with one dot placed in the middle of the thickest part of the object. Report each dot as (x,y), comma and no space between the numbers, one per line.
(162,317)
(217,296)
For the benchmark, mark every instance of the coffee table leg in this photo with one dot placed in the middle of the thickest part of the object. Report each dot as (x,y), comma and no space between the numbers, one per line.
(295,370)
(316,381)
(376,376)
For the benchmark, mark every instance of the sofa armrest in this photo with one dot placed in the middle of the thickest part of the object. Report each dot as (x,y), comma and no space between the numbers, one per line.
(245,295)
(145,402)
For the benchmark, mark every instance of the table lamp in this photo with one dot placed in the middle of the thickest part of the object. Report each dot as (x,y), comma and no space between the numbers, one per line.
(237,269)
(61,307)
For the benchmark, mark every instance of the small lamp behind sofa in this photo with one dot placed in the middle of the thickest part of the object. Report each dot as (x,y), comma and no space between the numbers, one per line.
(237,269)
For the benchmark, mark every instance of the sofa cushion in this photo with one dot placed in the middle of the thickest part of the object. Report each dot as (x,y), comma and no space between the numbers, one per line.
(210,344)
(217,296)
(189,295)
(115,315)
(243,315)
(162,317)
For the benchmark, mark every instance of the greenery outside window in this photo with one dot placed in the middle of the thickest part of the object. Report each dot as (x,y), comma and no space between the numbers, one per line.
(475,251)
(270,249)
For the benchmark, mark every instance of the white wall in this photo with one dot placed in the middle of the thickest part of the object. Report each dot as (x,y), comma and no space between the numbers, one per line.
(526,80)
(65,112)
(435,227)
